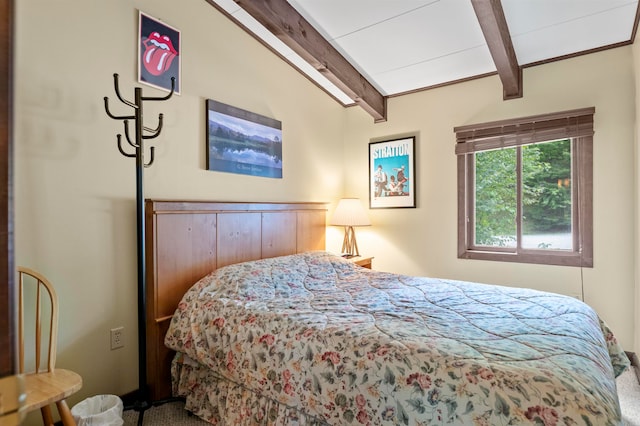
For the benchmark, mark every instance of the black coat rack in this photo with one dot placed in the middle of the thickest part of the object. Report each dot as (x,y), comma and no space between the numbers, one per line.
(141,134)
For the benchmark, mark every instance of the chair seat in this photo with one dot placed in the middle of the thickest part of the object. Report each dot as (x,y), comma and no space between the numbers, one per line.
(46,388)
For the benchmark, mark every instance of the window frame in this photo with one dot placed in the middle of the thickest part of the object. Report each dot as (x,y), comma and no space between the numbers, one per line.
(576,125)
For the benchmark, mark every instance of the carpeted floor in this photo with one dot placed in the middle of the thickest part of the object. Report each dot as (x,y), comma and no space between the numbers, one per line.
(173,414)
(170,414)
(629,394)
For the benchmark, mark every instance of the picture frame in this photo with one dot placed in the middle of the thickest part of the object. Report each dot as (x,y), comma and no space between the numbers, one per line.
(159,54)
(242,142)
(392,173)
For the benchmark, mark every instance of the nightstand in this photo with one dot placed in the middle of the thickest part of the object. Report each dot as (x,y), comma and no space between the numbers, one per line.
(365,262)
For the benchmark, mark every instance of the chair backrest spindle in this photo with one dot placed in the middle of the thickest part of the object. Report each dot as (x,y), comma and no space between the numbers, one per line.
(38,325)
(21,324)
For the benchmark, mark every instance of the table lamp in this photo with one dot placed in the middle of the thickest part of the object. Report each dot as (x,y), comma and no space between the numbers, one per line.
(350,213)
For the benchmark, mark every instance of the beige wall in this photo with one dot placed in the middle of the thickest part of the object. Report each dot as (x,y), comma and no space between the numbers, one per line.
(636,62)
(75,211)
(422,241)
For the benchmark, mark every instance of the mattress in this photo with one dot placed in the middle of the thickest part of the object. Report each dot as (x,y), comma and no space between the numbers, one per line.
(314,339)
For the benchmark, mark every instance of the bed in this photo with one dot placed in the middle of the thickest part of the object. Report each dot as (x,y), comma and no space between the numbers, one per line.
(312,338)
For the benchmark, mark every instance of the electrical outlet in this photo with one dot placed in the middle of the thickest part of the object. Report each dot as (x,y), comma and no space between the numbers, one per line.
(117,338)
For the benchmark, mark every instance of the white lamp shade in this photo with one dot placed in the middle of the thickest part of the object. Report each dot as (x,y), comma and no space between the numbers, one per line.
(350,212)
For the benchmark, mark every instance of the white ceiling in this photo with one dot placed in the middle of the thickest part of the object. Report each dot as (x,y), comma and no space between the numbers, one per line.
(407,45)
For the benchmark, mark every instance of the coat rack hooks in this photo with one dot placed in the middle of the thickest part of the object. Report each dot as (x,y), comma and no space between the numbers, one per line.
(137,117)
(143,401)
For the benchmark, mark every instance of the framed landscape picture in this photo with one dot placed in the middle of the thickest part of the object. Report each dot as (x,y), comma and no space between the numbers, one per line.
(392,182)
(243,142)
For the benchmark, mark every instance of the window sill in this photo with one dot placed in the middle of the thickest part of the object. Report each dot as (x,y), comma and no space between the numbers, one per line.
(556,259)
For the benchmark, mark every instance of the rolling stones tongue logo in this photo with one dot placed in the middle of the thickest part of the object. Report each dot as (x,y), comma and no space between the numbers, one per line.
(158,54)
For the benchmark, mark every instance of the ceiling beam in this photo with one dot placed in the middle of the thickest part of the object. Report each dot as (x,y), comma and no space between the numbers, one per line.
(284,21)
(496,33)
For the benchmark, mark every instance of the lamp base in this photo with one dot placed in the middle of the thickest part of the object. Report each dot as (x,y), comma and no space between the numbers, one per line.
(349,244)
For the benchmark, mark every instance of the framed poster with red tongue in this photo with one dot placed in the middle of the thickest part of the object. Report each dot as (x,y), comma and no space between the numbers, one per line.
(158,53)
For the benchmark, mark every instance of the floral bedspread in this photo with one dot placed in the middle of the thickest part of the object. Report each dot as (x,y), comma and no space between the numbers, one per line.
(347,345)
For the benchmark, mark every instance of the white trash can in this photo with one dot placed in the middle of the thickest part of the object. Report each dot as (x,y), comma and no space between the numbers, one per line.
(101,410)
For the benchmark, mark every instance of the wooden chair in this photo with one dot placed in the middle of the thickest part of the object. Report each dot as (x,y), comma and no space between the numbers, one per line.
(44,384)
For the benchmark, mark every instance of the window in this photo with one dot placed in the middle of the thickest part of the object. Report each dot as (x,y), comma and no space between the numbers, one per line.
(525,189)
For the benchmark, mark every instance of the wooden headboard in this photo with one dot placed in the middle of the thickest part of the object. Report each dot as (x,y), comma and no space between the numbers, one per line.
(185,240)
